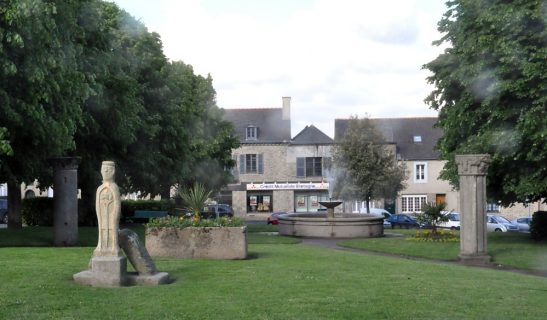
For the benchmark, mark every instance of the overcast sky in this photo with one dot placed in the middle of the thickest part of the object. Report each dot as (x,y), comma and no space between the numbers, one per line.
(334,58)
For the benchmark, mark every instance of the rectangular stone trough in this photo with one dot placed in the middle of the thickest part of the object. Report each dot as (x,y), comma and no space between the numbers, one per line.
(198,242)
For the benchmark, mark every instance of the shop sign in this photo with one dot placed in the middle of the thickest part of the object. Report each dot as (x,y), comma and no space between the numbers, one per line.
(288,186)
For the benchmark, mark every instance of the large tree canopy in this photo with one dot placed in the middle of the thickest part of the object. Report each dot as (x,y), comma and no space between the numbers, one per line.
(84,78)
(367,168)
(491,93)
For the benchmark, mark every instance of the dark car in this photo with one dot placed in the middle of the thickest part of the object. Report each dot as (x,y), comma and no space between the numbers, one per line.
(402,220)
(3,211)
(274,217)
(220,210)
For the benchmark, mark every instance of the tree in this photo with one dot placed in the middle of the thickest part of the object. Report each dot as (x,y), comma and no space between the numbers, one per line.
(41,89)
(5,147)
(491,93)
(369,168)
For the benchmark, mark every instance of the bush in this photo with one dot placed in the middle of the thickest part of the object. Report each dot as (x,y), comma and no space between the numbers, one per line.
(538,226)
(37,211)
(184,222)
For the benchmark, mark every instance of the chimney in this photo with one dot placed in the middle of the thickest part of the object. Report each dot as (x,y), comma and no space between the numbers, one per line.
(286,108)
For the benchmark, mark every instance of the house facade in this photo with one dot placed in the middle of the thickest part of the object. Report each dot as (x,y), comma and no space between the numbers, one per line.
(274,172)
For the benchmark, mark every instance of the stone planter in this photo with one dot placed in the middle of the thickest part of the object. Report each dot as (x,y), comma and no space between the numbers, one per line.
(198,242)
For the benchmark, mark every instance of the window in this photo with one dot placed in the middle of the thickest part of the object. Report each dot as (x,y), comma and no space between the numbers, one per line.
(251,133)
(251,163)
(309,167)
(420,172)
(417,139)
(411,204)
(492,207)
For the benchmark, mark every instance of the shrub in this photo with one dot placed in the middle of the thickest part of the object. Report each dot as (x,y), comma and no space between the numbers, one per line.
(195,198)
(184,222)
(37,211)
(435,236)
(538,226)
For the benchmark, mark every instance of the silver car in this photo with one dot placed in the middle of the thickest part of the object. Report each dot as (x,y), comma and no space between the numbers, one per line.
(523,223)
(500,224)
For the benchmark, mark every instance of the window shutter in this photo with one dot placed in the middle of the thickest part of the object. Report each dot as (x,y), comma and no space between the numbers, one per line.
(260,163)
(241,163)
(300,167)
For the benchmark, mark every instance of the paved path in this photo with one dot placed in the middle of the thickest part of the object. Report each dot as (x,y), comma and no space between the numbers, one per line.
(332,244)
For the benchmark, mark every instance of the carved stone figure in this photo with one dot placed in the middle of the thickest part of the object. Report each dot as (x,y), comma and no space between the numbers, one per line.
(136,252)
(108,207)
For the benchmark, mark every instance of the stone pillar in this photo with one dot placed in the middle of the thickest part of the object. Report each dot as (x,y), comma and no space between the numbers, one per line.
(65,201)
(472,170)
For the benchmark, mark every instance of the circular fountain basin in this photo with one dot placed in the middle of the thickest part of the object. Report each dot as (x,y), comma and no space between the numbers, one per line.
(345,225)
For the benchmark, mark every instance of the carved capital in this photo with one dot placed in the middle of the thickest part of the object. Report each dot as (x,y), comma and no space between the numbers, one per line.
(473,164)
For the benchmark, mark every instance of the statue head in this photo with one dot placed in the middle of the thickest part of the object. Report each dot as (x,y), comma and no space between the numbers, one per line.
(108,169)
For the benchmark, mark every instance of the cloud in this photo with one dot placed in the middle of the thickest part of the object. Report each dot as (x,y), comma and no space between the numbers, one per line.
(334,58)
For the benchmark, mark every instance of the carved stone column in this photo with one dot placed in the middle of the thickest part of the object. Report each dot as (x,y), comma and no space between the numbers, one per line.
(472,170)
(65,201)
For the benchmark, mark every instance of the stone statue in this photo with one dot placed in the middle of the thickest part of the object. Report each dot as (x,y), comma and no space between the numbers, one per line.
(108,265)
(108,207)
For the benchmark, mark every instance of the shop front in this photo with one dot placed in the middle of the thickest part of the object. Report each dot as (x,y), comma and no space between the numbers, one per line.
(287,197)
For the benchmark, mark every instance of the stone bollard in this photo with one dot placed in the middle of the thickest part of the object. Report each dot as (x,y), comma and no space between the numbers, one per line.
(472,170)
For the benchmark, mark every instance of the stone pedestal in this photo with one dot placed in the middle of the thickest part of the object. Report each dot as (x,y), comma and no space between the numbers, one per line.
(65,201)
(105,272)
(472,170)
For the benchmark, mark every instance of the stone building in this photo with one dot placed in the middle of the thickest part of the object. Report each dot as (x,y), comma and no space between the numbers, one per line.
(273,171)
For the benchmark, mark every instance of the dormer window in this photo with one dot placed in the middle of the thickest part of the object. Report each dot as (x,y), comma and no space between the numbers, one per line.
(251,133)
(417,139)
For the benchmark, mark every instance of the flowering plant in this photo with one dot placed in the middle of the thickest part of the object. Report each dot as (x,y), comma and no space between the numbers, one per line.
(184,222)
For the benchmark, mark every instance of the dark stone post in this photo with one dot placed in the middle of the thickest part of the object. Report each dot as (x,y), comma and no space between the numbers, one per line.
(65,201)
(472,170)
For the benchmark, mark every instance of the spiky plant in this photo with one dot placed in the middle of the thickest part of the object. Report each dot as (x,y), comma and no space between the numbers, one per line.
(195,198)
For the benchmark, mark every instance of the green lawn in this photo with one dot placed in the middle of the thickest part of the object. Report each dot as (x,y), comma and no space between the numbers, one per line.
(279,281)
(510,249)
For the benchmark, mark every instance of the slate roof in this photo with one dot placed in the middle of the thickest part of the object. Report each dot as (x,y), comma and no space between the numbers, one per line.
(271,126)
(311,135)
(401,131)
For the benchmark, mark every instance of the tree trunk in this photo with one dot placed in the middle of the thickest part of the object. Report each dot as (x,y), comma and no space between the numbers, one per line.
(15,220)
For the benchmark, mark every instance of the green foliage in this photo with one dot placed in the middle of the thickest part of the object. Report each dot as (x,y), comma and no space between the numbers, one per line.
(432,215)
(491,93)
(434,235)
(37,211)
(368,168)
(5,147)
(184,222)
(195,198)
(538,226)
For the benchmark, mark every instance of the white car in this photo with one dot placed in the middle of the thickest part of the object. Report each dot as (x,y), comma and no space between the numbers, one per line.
(453,222)
(500,224)
(523,223)
(380,212)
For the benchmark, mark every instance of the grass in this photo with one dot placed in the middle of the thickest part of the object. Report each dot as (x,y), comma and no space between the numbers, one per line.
(511,249)
(280,281)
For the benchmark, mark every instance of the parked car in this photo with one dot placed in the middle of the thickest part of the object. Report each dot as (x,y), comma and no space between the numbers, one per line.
(274,218)
(381,212)
(3,211)
(500,224)
(220,210)
(523,223)
(403,220)
(453,222)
